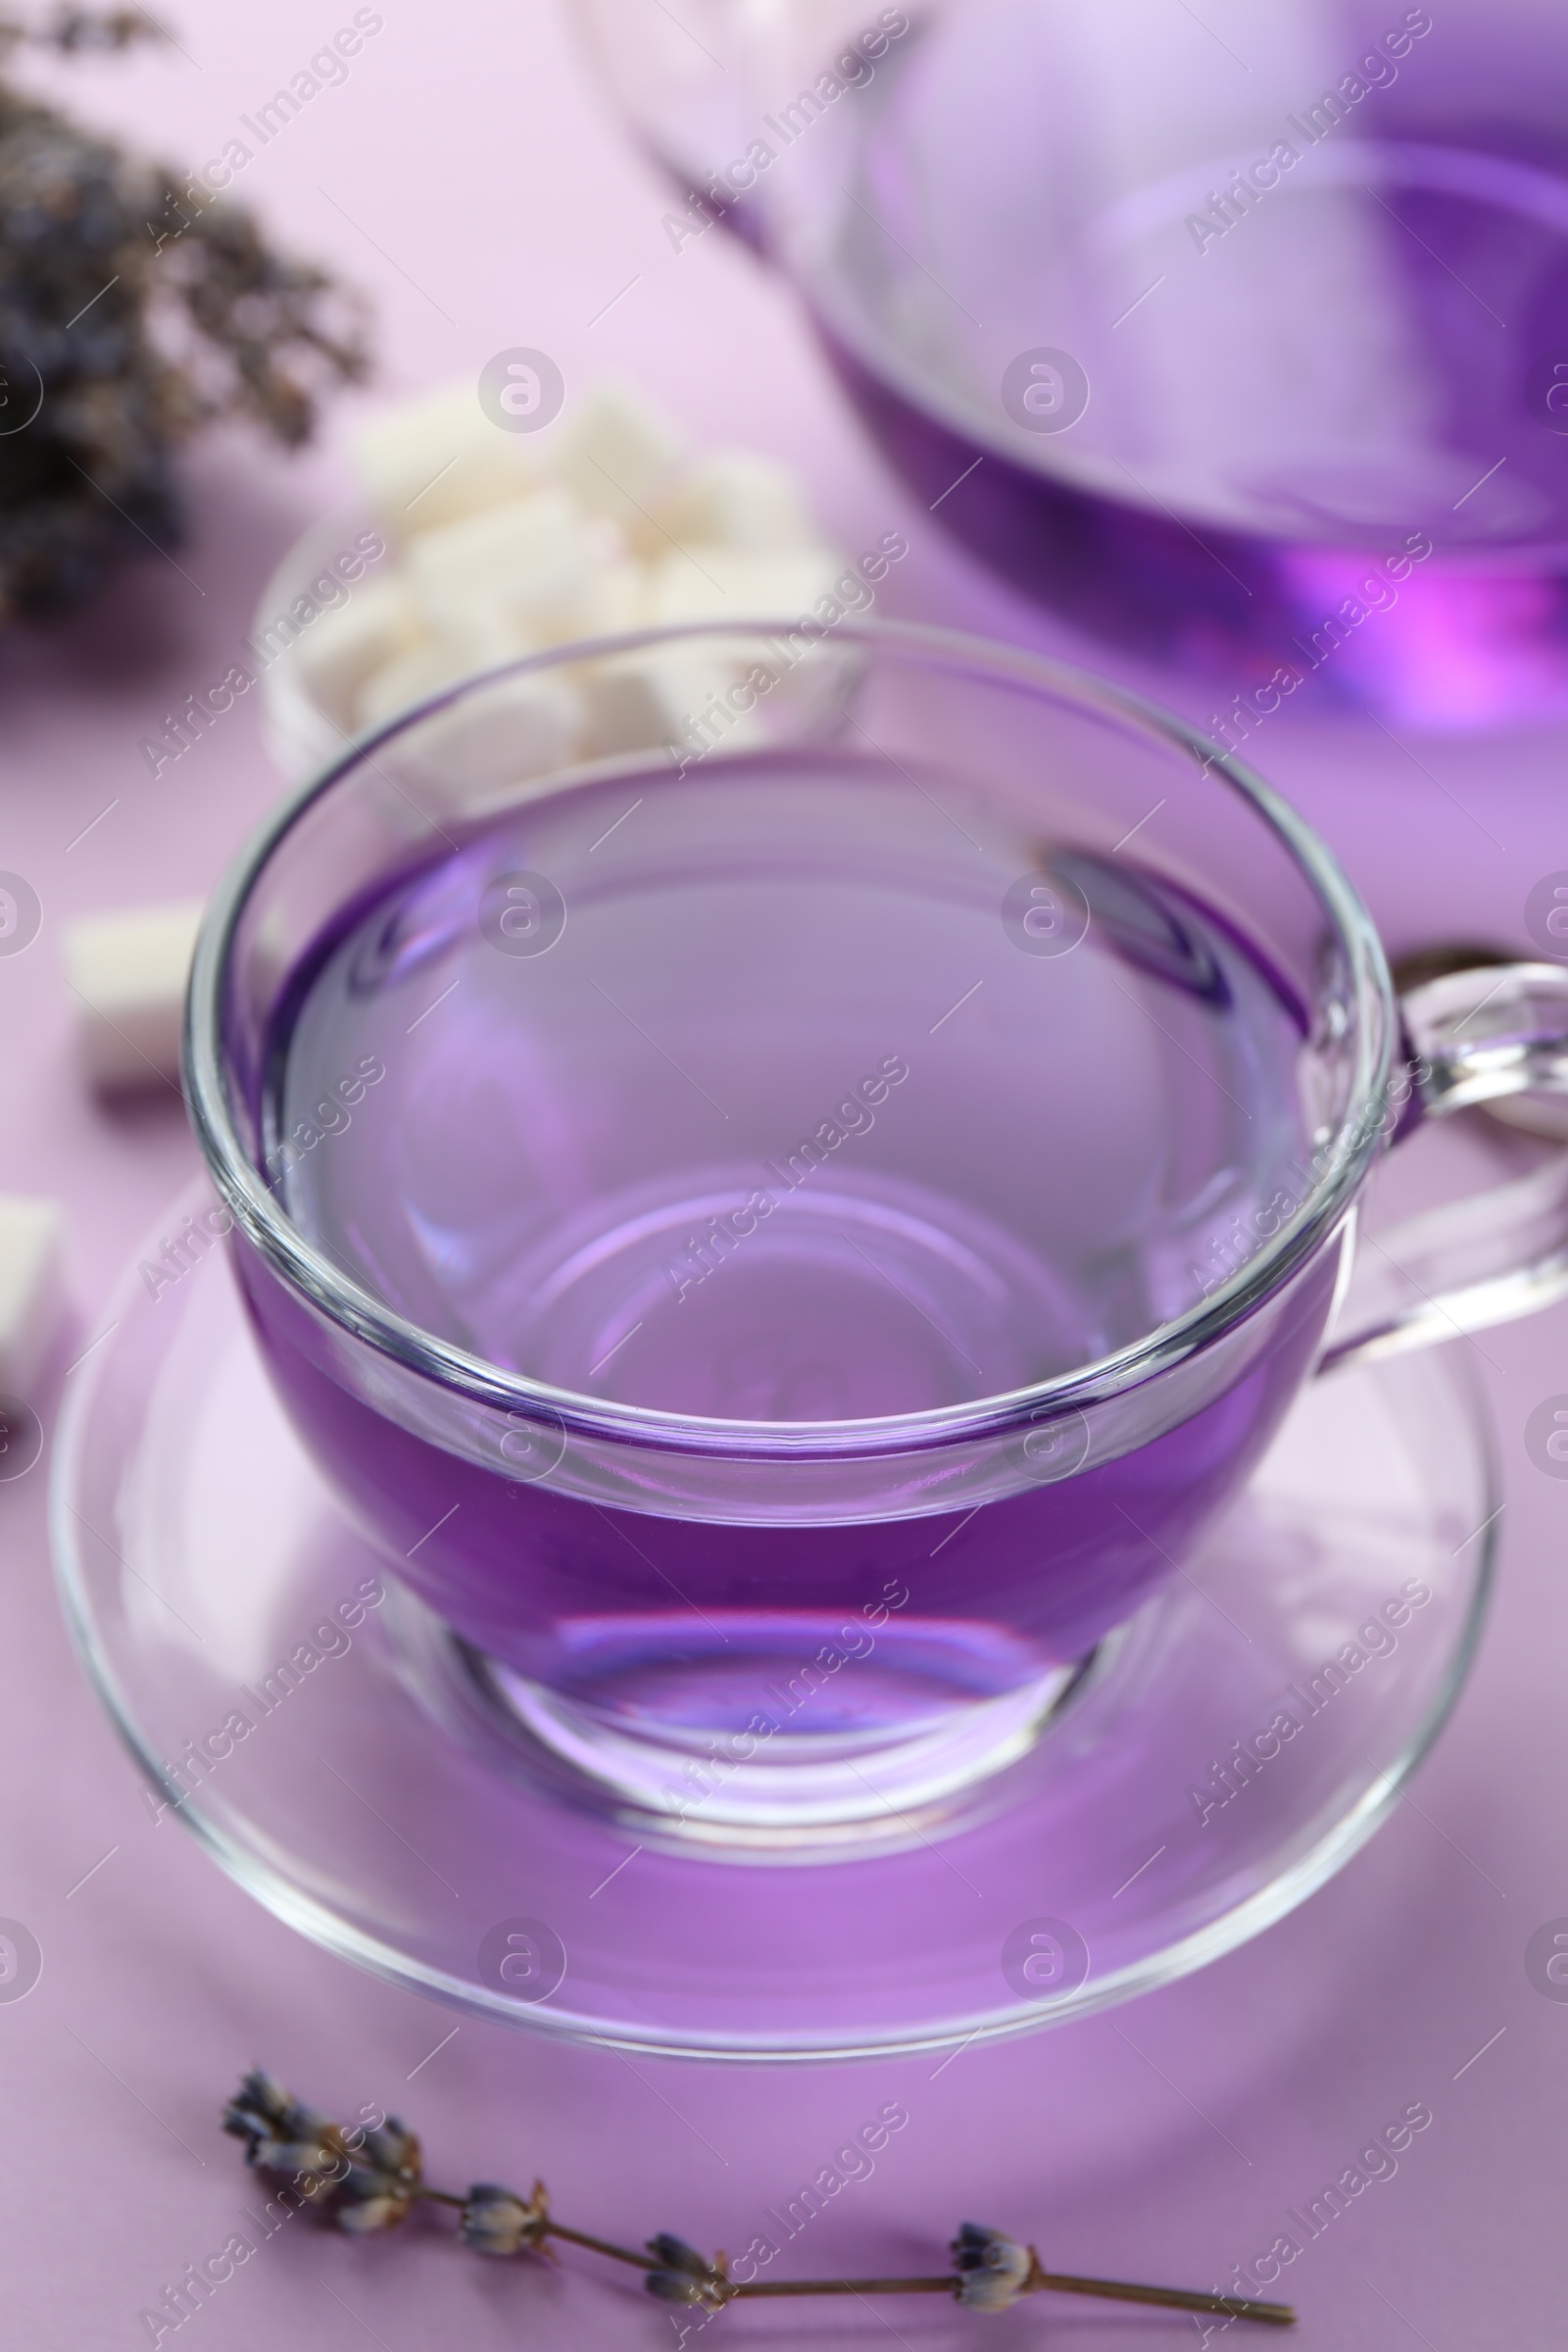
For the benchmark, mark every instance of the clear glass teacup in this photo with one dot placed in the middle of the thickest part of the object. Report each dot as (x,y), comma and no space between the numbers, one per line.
(786,1239)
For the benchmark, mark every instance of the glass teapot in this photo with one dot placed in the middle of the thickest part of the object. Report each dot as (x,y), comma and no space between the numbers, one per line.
(1241,338)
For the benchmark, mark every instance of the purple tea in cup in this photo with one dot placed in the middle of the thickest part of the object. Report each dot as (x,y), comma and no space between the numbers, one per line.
(788,1239)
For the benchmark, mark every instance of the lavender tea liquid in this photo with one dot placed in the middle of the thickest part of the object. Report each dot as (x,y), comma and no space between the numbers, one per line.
(776,1098)
(1299,416)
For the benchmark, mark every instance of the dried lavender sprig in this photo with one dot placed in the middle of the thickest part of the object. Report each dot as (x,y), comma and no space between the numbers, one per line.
(364,2183)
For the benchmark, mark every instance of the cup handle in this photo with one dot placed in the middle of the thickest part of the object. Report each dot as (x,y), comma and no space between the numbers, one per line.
(1470,1037)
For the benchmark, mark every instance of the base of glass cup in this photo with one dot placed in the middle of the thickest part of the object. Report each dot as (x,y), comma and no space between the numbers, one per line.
(734,1793)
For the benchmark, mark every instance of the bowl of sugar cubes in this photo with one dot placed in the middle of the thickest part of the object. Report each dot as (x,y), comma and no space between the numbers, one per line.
(471,546)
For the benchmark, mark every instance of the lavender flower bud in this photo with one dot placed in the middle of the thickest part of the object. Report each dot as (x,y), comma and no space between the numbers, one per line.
(381,2182)
(264,2114)
(390,2148)
(292,2156)
(994,2270)
(495,2222)
(362,2215)
(283,2137)
(687,2277)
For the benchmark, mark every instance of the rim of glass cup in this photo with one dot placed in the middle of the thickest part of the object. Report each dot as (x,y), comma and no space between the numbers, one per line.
(347,1303)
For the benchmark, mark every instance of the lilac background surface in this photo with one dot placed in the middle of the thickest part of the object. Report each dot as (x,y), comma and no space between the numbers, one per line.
(470,175)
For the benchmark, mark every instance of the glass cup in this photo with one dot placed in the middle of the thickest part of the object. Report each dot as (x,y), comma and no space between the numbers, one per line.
(786,1240)
(1239,338)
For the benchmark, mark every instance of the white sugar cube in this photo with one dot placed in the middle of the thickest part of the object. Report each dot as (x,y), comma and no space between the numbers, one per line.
(127,973)
(734,498)
(429,665)
(347,647)
(658,697)
(616,600)
(528,561)
(31,1290)
(502,735)
(491,551)
(406,678)
(727,583)
(429,460)
(616,450)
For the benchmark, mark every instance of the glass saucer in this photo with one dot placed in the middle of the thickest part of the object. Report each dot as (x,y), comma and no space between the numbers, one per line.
(333,1749)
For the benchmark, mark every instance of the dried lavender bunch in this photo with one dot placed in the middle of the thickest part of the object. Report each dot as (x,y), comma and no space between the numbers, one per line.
(133,309)
(365,2181)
